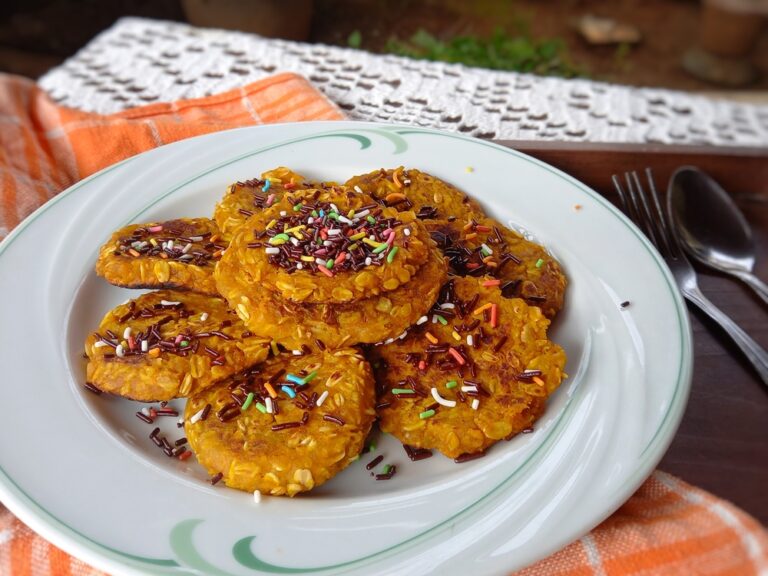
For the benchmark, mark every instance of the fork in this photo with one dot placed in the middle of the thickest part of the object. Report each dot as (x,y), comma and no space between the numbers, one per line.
(645,211)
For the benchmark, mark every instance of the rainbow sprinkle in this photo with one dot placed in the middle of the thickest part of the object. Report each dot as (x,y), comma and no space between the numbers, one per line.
(247,402)
(288,390)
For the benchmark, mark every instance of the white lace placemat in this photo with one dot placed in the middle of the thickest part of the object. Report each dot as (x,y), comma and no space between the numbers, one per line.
(140,61)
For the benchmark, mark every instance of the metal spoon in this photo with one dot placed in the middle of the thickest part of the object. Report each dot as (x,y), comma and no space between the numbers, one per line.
(711,227)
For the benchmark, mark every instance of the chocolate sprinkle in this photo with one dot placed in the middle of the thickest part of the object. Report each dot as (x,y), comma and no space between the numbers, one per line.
(285,426)
(416,454)
(388,475)
(334,419)
(143,417)
(467,457)
(215,479)
(375,462)
(91,388)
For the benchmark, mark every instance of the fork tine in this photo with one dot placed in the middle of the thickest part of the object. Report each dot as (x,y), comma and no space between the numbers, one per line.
(641,201)
(633,210)
(634,190)
(622,194)
(627,204)
(661,216)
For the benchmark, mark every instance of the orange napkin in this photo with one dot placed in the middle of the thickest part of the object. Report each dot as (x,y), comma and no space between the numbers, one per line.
(667,527)
(45,148)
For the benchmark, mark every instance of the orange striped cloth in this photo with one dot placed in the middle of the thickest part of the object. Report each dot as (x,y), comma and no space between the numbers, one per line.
(667,527)
(44,148)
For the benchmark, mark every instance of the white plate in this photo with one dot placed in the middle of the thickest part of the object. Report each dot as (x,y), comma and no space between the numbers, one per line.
(79,468)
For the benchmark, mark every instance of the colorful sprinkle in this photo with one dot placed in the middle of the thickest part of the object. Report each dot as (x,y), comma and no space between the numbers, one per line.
(475,404)
(391,255)
(325,271)
(295,379)
(322,398)
(197,416)
(429,336)
(288,390)
(480,309)
(247,402)
(270,390)
(402,391)
(458,357)
(494,315)
(441,319)
(489,283)
(266,186)
(260,407)
(421,320)
(539,263)
(426,414)
(309,377)
(442,401)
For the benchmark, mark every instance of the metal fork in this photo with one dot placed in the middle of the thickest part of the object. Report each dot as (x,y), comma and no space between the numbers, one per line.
(645,211)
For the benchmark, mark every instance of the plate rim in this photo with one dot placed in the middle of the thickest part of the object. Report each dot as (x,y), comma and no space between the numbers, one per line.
(45,522)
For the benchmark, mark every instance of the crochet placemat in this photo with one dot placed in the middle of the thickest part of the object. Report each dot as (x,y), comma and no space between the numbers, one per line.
(138,61)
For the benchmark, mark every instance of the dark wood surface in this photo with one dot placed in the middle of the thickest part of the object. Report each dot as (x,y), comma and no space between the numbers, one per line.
(722,443)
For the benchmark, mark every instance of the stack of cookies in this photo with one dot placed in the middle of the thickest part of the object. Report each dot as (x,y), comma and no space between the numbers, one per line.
(268,317)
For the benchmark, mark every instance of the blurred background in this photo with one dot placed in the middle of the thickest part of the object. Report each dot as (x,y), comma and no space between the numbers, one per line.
(716,46)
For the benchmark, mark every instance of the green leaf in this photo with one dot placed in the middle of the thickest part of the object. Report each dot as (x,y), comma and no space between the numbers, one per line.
(500,51)
(355,39)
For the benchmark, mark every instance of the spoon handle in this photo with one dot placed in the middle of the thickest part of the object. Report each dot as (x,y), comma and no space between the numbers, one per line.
(755,283)
(755,353)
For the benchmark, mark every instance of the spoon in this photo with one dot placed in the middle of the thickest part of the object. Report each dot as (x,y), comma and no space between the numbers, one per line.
(711,227)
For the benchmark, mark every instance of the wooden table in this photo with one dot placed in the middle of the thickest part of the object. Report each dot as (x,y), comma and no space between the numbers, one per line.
(722,443)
